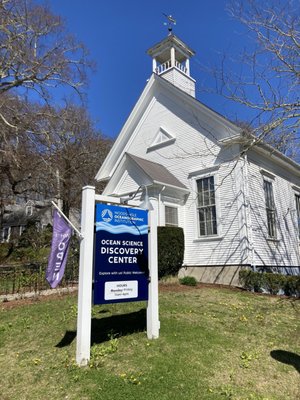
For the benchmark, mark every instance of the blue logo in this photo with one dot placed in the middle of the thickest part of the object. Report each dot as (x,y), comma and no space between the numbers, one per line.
(107,215)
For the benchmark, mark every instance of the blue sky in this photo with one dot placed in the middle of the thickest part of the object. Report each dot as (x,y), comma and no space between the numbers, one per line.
(118,33)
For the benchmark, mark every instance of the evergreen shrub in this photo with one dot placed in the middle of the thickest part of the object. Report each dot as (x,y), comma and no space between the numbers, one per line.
(170,250)
(274,282)
(292,286)
(188,281)
(270,282)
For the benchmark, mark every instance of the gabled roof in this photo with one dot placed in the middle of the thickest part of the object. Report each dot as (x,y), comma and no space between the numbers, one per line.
(158,49)
(254,143)
(124,139)
(157,172)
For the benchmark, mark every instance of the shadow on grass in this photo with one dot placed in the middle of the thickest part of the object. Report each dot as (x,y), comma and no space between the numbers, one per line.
(103,328)
(286,357)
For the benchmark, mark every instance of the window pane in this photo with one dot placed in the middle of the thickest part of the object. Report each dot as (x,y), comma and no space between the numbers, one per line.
(202,229)
(200,193)
(171,216)
(202,215)
(206,198)
(205,184)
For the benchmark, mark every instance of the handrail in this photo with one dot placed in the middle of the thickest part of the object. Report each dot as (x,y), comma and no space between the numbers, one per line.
(167,65)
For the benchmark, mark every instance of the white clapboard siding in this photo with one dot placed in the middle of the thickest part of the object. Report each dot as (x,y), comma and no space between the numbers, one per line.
(128,183)
(227,247)
(284,251)
(195,149)
(191,150)
(181,80)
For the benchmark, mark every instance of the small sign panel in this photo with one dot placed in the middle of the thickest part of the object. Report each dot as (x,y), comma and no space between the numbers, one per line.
(121,290)
(121,254)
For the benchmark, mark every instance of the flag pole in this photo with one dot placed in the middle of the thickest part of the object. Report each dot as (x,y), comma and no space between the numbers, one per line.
(67,219)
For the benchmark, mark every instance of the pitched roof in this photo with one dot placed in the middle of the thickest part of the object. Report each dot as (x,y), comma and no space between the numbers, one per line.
(158,49)
(125,137)
(157,172)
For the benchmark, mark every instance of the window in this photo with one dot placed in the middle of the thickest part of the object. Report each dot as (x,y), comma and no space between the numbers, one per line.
(6,231)
(270,208)
(162,138)
(171,216)
(207,206)
(29,210)
(297,198)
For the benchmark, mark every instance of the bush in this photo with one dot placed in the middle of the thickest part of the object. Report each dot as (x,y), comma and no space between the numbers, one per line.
(5,250)
(270,282)
(251,280)
(170,250)
(273,282)
(188,281)
(292,286)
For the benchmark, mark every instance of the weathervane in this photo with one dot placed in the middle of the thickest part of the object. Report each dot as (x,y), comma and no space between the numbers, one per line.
(170,23)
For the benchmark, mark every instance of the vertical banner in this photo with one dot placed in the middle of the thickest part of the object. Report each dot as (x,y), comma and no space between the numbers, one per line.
(121,254)
(59,250)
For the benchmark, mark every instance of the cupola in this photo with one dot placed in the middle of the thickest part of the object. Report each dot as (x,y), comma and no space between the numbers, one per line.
(171,60)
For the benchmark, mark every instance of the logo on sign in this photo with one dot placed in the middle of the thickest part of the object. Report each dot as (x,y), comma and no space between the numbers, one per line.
(107,215)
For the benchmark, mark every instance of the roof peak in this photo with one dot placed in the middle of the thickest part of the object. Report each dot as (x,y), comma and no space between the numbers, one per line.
(171,39)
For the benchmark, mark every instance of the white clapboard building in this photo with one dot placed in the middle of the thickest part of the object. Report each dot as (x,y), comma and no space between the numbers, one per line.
(238,204)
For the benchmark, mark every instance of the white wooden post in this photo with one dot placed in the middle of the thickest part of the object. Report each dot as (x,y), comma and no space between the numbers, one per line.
(85,276)
(153,323)
(172,57)
(154,65)
(187,66)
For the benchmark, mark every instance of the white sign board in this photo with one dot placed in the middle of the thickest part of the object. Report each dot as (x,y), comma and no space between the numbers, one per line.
(117,290)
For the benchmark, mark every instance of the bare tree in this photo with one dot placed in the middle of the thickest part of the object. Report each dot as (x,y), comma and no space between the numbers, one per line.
(72,149)
(268,80)
(57,162)
(18,158)
(37,56)
(36,52)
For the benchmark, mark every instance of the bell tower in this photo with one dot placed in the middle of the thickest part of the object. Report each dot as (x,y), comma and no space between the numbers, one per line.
(171,60)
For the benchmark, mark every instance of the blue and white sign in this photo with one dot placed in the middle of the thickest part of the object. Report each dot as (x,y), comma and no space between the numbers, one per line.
(121,254)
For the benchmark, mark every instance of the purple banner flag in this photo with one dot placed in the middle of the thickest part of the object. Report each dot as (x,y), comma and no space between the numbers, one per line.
(59,250)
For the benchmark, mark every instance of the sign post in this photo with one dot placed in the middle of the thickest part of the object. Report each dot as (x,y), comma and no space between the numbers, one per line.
(153,323)
(85,276)
(125,262)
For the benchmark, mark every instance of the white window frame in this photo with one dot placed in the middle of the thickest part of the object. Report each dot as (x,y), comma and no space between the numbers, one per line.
(6,238)
(175,207)
(271,180)
(210,172)
(297,211)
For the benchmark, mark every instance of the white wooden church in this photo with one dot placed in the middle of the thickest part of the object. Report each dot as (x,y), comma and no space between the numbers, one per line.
(239,205)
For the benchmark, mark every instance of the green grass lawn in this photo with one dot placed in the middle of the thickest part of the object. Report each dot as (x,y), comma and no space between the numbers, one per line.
(214,344)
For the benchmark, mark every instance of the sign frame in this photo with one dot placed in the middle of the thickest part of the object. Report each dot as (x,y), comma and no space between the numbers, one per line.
(83,340)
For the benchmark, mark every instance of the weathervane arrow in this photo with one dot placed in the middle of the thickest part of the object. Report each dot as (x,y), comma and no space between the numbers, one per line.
(170,23)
